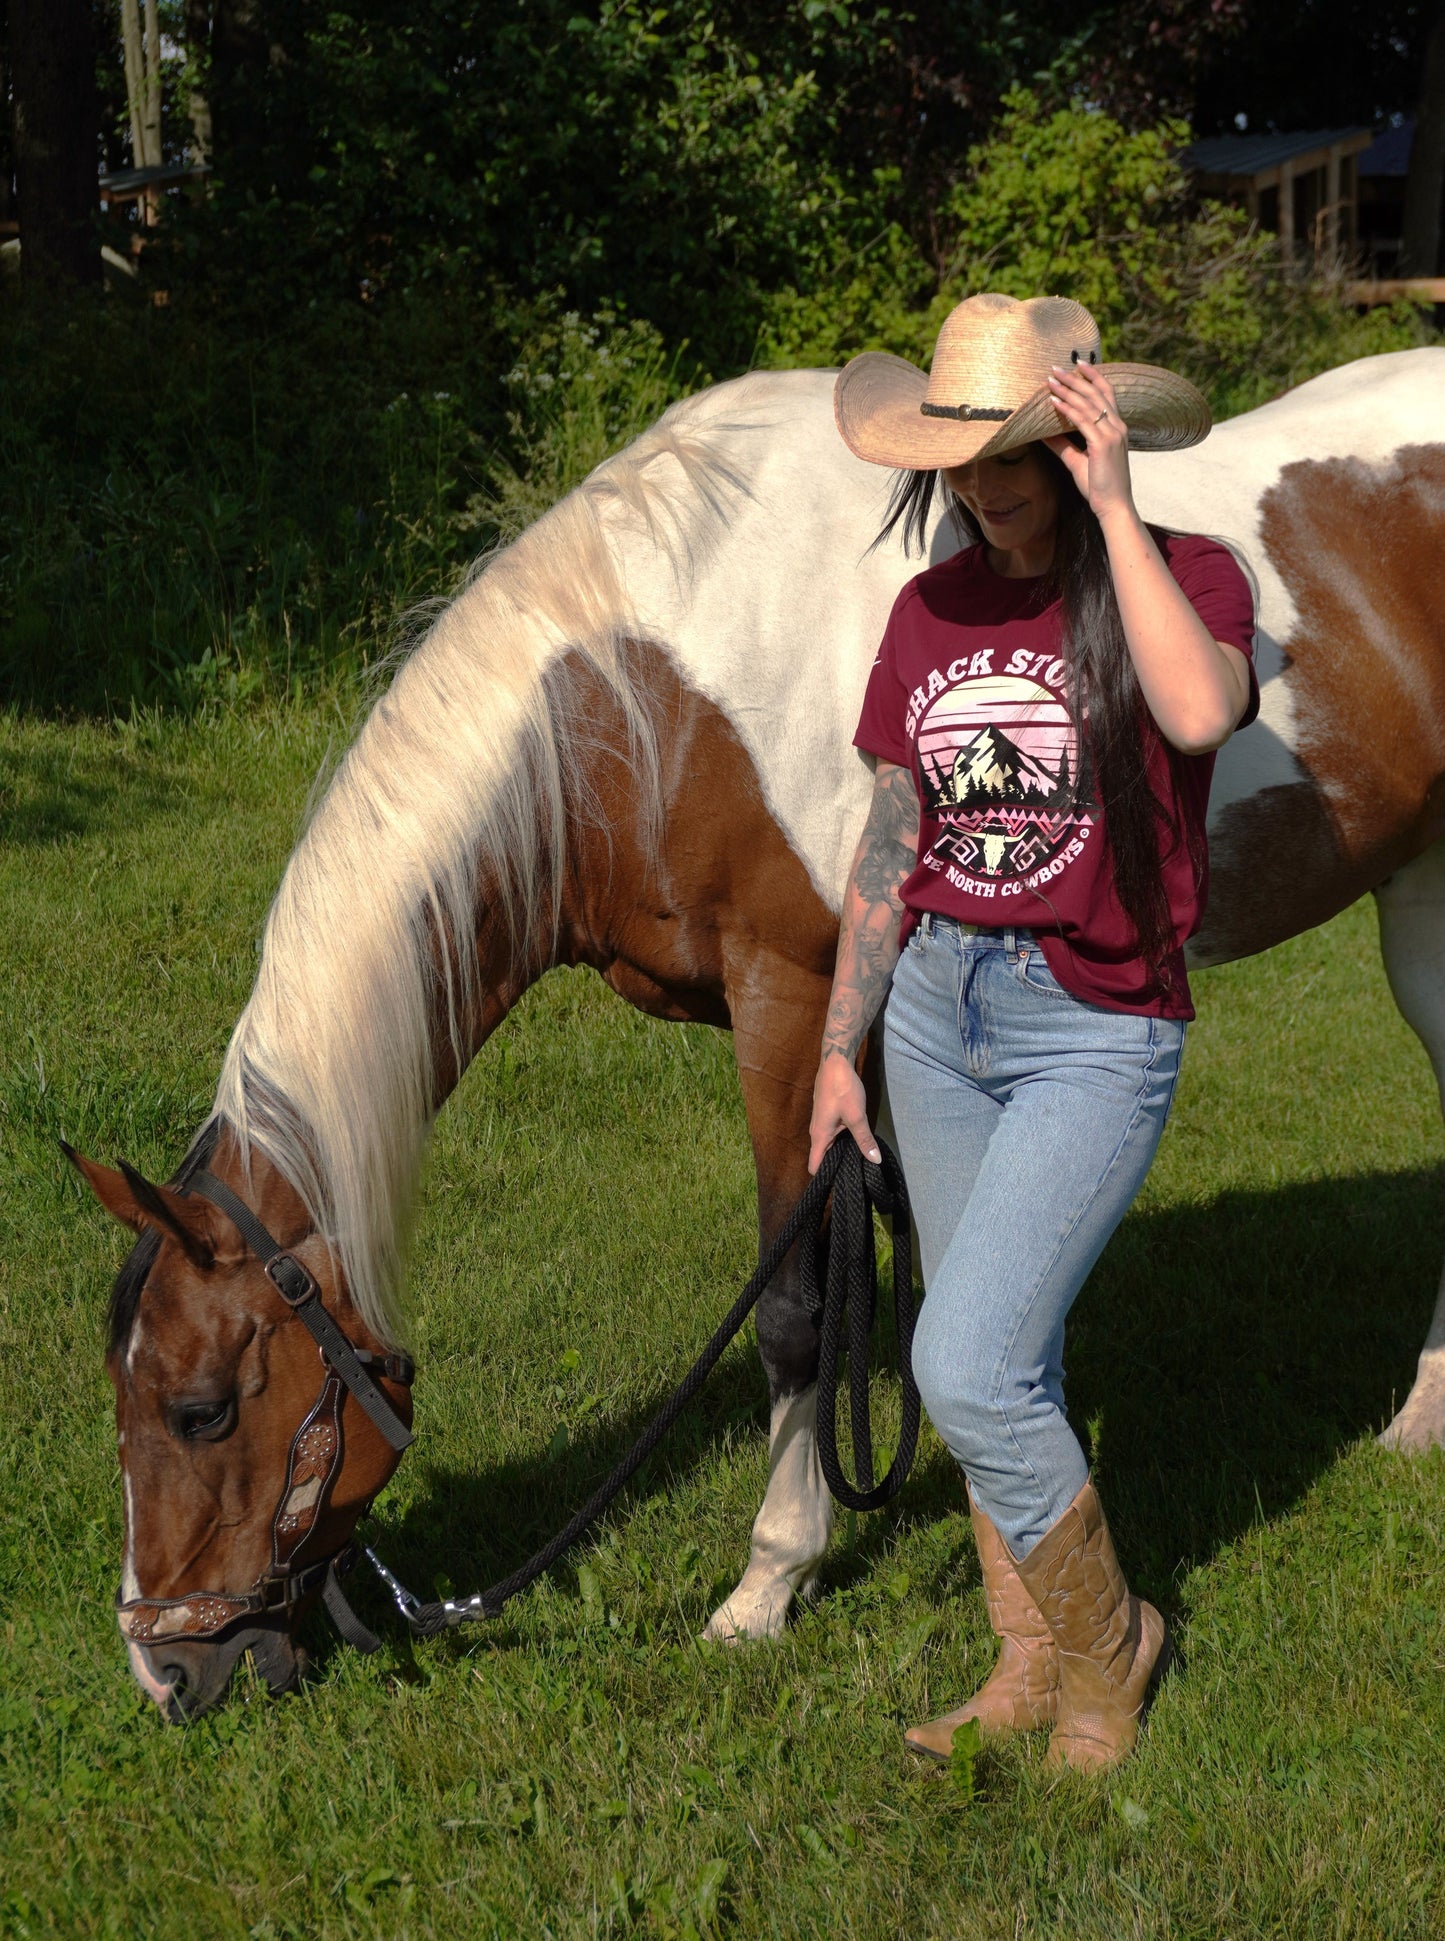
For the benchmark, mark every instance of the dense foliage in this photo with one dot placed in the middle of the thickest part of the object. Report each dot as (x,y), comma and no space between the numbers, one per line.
(452,259)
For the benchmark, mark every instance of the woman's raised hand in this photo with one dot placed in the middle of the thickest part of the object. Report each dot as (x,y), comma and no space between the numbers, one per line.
(839,1104)
(1086,398)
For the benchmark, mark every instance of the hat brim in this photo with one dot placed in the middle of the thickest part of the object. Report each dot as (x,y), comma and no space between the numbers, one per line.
(877,396)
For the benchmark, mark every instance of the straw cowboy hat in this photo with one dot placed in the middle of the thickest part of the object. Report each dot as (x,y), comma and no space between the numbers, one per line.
(988,389)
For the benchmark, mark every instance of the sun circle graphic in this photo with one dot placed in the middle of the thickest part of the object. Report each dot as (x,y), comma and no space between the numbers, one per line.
(998,762)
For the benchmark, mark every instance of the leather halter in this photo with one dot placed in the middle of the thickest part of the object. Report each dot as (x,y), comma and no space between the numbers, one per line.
(312,1465)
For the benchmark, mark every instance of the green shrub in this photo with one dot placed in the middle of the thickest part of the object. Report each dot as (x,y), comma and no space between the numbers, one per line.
(579,390)
(1073,203)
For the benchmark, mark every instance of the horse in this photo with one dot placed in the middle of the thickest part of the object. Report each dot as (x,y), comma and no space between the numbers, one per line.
(626,742)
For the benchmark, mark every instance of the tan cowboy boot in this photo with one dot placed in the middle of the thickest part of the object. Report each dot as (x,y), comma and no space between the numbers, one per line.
(1022,1690)
(1112,1646)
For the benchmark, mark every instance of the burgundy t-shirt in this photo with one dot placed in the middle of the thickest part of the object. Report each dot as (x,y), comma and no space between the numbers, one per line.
(968,691)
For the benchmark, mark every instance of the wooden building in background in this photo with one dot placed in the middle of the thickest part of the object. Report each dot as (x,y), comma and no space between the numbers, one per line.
(1304,186)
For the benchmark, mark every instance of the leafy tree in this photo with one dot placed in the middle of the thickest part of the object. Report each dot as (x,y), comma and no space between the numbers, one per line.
(677,159)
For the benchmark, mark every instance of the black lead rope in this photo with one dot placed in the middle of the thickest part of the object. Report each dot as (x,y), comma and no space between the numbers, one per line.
(840,1287)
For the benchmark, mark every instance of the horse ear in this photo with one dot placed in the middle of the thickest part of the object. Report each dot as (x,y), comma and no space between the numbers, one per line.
(131,1198)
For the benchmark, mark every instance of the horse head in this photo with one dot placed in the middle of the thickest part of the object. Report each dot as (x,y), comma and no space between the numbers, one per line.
(246,1462)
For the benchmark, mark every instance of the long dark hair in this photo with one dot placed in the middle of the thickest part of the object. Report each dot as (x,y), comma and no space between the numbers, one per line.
(1117,736)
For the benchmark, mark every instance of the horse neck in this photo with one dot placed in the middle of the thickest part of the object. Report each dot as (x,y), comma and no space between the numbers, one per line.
(378,983)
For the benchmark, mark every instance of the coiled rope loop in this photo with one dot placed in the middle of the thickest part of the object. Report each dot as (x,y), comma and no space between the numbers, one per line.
(840,1285)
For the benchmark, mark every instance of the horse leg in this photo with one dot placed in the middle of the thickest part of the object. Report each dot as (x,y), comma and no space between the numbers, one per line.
(777,1018)
(1412,942)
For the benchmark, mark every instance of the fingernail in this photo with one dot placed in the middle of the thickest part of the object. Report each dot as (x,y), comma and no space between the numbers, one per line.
(875,1155)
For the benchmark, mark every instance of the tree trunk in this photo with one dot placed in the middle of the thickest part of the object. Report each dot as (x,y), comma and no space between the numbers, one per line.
(1420,242)
(197,14)
(57,139)
(153,85)
(7,198)
(130,42)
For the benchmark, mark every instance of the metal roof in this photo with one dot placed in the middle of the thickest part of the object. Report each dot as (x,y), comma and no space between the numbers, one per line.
(126,181)
(1252,154)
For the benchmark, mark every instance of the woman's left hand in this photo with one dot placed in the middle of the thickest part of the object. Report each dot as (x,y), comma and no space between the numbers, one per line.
(1086,398)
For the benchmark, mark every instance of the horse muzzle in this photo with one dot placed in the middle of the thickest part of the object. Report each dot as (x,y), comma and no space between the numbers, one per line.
(186,1677)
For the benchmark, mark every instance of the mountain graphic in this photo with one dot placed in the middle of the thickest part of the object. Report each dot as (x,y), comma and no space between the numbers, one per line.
(990,770)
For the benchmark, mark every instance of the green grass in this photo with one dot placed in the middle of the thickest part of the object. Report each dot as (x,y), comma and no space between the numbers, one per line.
(586,1765)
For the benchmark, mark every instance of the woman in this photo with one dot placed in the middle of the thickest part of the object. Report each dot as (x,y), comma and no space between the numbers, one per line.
(1044,711)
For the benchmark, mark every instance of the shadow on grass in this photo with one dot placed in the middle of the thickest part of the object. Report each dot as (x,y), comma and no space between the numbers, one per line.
(1220,1359)
(53,791)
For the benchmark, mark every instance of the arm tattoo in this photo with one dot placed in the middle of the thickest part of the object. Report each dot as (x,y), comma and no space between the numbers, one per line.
(873,909)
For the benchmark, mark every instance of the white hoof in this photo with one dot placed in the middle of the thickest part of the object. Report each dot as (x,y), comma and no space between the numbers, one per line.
(790,1531)
(756,1609)
(1414,1431)
(1420,1425)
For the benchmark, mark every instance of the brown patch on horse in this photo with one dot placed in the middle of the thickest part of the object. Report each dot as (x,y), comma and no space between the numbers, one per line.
(1358,548)
(718,922)
(1275,868)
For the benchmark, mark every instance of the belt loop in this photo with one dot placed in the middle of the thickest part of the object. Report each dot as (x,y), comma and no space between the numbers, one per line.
(925,923)
(1010,942)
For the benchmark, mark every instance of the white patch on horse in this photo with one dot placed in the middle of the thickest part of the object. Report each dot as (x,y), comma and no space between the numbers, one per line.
(790,1532)
(133,1346)
(129,1582)
(739,635)
(153,1687)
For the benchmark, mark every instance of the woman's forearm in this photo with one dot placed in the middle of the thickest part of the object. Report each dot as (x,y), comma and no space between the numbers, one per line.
(872,910)
(1195,687)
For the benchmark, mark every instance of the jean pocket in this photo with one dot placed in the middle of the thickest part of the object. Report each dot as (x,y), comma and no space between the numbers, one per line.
(1034,974)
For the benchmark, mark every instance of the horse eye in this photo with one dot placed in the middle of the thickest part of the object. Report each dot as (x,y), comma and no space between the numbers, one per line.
(203,1421)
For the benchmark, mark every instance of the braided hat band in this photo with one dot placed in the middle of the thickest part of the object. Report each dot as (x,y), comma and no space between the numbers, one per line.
(987,391)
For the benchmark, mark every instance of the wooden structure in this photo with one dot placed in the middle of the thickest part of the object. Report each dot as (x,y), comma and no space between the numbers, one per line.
(131,184)
(1384,169)
(1304,186)
(1419,289)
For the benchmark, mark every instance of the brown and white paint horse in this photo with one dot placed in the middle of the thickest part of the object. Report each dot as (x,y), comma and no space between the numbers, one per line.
(627,743)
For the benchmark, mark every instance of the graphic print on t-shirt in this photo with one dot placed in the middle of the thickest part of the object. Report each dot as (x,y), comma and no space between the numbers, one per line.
(998,765)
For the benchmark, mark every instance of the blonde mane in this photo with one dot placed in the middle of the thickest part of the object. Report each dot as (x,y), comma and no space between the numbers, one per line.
(455,781)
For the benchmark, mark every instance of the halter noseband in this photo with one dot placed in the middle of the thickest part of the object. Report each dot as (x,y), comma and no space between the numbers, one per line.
(312,1465)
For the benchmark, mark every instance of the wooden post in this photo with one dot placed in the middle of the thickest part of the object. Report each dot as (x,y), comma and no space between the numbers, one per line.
(1332,203)
(1286,213)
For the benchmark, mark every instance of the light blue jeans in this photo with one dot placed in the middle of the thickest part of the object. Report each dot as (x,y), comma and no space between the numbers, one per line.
(1026,1122)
